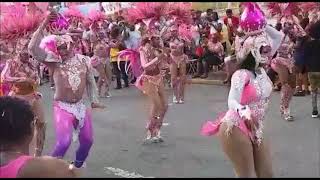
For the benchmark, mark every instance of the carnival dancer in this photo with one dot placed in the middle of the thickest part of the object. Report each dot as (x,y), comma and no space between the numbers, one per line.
(72,74)
(178,66)
(283,65)
(152,57)
(100,63)
(153,86)
(240,129)
(21,71)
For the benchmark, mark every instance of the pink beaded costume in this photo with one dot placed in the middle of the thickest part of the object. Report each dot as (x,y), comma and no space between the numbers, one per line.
(249,93)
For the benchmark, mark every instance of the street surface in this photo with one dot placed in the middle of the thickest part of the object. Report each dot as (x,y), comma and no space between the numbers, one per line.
(119,131)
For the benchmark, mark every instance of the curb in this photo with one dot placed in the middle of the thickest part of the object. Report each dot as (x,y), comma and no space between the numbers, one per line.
(207,82)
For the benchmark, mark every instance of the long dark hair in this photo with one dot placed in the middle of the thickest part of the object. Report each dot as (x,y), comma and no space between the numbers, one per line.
(249,64)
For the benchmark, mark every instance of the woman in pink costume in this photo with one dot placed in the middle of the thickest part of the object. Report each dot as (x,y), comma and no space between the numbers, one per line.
(283,63)
(21,71)
(178,66)
(16,132)
(99,62)
(152,57)
(240,129)
(180,36)
(151,82)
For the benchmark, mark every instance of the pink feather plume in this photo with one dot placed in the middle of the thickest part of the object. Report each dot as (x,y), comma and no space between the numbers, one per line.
(283,9)
(134,58)
(146,10)
(49,44)
(96,16)
(17,23)
(181,11)
(309,6)
(73,13)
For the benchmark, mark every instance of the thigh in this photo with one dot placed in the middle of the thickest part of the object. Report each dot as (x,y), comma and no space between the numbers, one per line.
(263,159)
(86,132)
(108,72)
(152,92)
(162,95)
(238,148)
(283,73)
(63,122)
(173,70)
(183,69)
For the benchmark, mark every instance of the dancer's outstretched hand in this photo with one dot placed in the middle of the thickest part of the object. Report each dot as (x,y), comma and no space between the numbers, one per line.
(98,106)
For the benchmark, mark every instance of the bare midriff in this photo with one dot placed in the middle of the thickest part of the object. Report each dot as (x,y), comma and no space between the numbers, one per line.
(63,90)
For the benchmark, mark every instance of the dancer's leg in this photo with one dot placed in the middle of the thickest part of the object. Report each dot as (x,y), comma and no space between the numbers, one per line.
(174,81)
(85,140)
(152,92)
(63,124)
(163,107)
(183,80)
(238,148)
(40,132)
(262,159)
(286,90)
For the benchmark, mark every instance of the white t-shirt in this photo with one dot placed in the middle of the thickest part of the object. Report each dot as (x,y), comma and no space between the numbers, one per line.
(212,29)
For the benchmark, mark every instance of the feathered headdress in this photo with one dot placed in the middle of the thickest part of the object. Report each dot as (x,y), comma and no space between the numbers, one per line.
(309,6)
(59,26)
(17,23)
(95,16)
(253,23)
(181,12)
(51,43)
(283,9)
(73,14)
(147,12)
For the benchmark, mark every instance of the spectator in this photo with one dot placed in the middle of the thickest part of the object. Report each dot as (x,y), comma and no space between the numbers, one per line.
(117,45)
(16,132)
(213,55)
(232,23)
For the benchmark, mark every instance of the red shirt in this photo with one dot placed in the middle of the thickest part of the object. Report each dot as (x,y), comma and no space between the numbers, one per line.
(235,23)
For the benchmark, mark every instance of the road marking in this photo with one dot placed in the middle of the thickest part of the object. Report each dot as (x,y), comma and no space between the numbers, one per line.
(123,173)
(165,124)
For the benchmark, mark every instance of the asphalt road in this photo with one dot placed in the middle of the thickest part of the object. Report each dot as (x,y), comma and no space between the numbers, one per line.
(119,130)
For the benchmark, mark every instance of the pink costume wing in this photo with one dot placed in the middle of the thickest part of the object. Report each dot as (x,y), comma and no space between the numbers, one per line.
(148,12)
(16,23)
(49,44)
(134,58)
